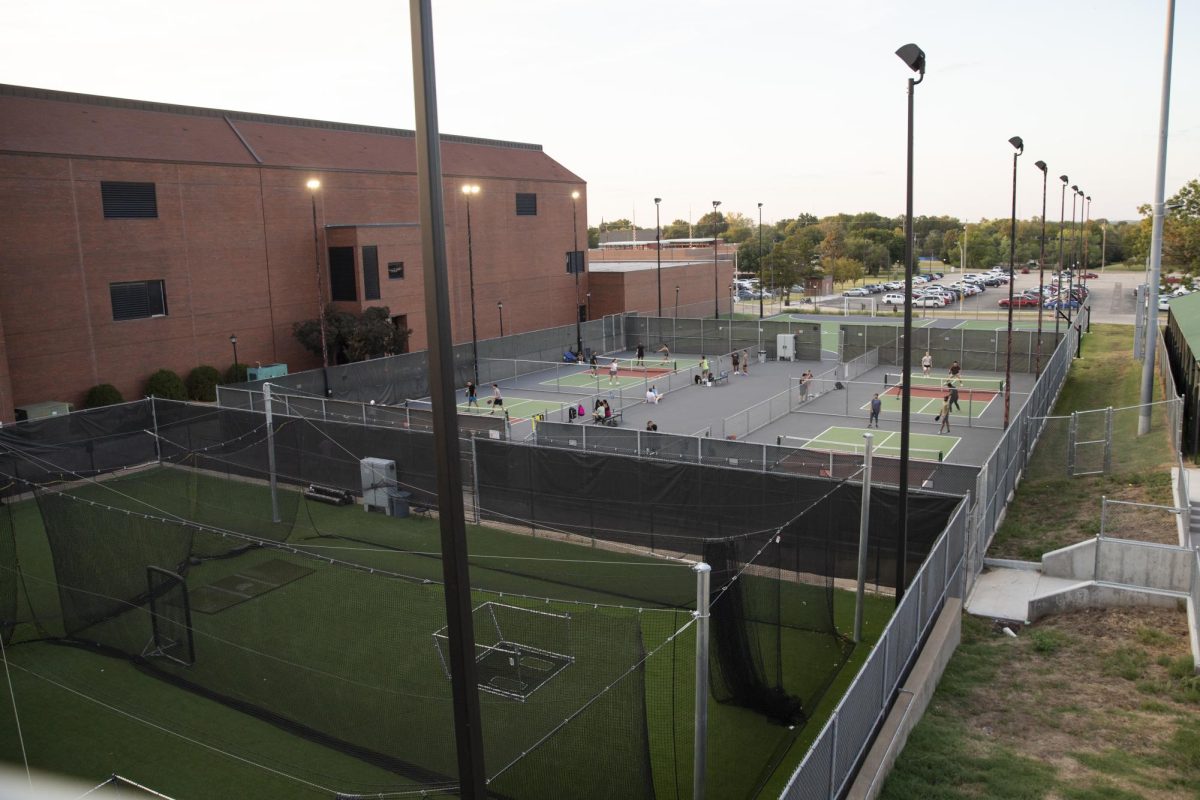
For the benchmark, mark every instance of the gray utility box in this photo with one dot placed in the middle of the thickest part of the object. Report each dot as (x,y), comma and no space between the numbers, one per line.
(378,476)
(785,347)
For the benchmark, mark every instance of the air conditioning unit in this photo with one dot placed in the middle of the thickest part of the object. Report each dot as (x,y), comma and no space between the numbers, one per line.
(785,347)
(378,476)
(50,408)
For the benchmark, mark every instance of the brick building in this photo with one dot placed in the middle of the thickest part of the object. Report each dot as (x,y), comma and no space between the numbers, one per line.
(136,236)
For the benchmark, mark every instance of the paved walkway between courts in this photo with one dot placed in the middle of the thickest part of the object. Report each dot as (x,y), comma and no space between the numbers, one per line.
(1005,592)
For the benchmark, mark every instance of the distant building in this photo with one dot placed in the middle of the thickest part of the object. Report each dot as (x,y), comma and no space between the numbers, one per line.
(141,235)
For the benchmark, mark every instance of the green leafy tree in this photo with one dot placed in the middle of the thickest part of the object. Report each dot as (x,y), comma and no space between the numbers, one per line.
(351,337)
(593,238)
(167,385)
(846,269)
(679,229)
(202,383)
(104,394)
(712,224)
(1181,229)
(741,228)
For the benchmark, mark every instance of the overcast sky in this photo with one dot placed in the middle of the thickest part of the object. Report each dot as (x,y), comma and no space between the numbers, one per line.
(797,105)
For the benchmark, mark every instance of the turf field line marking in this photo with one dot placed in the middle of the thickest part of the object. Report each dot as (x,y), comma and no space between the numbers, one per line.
(946,453)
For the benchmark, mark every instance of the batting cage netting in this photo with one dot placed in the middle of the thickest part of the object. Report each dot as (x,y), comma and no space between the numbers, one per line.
(151,533)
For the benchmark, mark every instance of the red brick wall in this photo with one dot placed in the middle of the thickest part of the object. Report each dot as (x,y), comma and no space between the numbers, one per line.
(617,292)
(234,245)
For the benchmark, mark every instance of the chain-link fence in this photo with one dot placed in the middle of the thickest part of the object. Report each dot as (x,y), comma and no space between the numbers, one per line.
(1143,522)
(830,763)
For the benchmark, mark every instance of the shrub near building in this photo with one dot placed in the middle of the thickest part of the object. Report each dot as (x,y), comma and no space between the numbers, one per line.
(167,385)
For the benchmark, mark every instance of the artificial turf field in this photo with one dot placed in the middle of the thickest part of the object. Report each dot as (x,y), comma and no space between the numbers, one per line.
(90,715)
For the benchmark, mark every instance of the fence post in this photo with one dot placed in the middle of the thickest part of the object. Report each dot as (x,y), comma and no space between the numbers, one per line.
(1071,433)
(1108,438)
(1103,512)
(475,476)
(834,785)
(157,442)
(700,743)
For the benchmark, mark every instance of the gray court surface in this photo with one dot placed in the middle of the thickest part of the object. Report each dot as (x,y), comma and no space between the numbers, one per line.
(703,410)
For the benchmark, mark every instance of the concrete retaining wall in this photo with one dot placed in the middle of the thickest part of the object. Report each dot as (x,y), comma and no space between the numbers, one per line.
(1143,564)
(913,698)
(1099,595)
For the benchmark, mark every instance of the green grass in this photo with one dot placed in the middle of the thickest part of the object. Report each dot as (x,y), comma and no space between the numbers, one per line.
(392,623)
(1106,374)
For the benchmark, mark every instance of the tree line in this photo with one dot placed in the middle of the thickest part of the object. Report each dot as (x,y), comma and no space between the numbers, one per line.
(852,246)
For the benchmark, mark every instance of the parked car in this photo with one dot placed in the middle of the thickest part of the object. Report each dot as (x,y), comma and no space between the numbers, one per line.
(894,285)
(928,301)
(1089,276)
(1020,301)
(857,291)
(893,299)
(1062,303)
(1164,303)
(874,288)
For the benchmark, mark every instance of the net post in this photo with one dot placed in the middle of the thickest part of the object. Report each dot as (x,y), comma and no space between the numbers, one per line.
(700,742)
(864,523)
(271,453)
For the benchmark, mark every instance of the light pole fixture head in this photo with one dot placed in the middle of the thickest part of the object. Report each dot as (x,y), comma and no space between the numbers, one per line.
(470,188)
(574,195)
(1074,188)
(760,205)
(1088,198)
(715,204)
(499,304)
(1040,165)
(313,184)
(657,200)
(913,56)
(1018,144)
(1064,179)
(233,338)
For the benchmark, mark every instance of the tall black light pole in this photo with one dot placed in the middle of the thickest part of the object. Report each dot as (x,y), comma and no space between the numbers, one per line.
(676,302)
(576,266)
(313,185)
(500,308)
(1073,267)
(469,190)
(914,57)
(464,676)
(1087,218)
(1041,269)
(716,290)
(762,285)
(588,300)
(1062,225)
(233,341)
(658,251)
(1012,278)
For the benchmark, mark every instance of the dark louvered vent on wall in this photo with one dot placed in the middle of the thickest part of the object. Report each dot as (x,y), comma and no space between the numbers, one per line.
(526,204)
(124,200)
(138,299)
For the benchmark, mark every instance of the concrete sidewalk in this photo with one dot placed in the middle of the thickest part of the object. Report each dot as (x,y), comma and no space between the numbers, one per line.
(1005,592)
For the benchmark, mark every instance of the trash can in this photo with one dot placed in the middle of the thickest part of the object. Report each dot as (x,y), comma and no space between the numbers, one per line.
(398,503)
(762,356)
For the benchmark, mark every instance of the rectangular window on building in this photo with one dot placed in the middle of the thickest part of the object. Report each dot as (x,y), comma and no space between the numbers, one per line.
(138,299)
(370,261)
(123,200)
(341,274)
(526,204)
(395,270)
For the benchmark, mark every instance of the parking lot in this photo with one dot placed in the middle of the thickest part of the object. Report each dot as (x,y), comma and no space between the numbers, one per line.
(989,290)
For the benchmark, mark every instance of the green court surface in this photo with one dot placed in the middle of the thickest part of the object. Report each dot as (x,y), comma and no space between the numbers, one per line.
(997,325)
(923,446)
(983,385)
(517,407)
(971,403)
